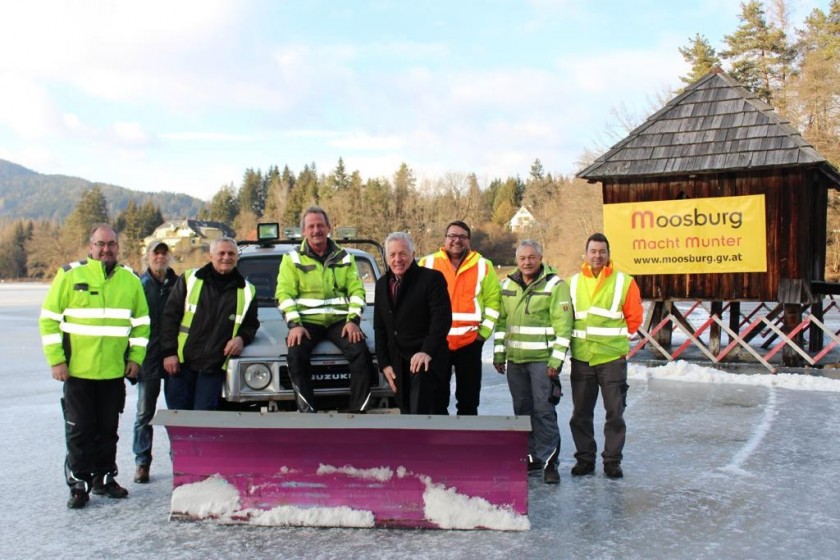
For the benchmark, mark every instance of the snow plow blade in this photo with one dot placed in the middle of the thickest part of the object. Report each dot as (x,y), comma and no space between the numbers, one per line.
(345,470)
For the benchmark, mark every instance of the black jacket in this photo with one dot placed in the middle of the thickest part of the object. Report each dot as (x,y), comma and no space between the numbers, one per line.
(212,325)
(419,320)
(157,293)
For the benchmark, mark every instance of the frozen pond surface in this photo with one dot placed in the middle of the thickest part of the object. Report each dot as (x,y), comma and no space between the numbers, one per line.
(716,465)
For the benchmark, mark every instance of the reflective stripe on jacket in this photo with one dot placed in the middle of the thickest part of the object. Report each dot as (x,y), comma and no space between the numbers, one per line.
(244,297)
(309,291)
(95,323)
(474,293)
(535,320)
(601,326)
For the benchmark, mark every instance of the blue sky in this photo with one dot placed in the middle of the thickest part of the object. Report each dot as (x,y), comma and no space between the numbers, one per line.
(184,96)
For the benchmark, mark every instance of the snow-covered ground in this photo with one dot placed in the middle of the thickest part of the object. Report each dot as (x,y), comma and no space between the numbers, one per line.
(717,465)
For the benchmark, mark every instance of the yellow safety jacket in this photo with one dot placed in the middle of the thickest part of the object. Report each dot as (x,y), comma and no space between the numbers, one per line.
(600,329)
(95,323)
(309,291)
(535,324)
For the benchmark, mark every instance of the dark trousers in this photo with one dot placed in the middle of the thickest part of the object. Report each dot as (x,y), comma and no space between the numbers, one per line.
(586,380)
(530,388)
(91,418)
(415,391)
(356,353)
(194,390)
(466,362)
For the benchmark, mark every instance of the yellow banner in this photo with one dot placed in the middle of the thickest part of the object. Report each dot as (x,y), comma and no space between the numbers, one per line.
(700,235)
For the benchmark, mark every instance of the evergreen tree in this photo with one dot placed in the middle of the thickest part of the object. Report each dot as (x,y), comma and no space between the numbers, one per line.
(340,179)
(150,218)
(377,221)
(252,192)
(758,52)
(537,172)
(92,209)
(701,56)
(506,201)
(816,87)
(289,216)
(224,206)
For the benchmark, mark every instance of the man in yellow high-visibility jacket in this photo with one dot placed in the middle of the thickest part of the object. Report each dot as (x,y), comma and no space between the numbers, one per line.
(608,308)
(94,328)
(321,297)
(476,298)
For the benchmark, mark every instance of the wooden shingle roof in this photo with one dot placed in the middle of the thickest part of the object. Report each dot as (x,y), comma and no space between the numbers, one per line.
(714,125)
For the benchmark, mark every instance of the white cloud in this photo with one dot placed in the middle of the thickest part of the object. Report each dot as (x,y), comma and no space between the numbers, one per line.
(365,141)
(71,121)
(130,132)
(201,136)
(27,108)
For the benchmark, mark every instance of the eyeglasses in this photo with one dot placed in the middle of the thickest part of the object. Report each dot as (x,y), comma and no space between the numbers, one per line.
(459,236)
(102,244)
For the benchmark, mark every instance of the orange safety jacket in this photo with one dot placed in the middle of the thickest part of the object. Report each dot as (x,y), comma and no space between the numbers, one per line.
(475,295)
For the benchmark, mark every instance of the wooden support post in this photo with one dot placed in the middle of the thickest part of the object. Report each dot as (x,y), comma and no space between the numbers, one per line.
(790,320)
(790,295)
(815,334)
(714,330)
(664,336)
(734,326)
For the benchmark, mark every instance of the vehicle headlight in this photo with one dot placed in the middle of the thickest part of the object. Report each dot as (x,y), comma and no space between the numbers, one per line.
(257,376)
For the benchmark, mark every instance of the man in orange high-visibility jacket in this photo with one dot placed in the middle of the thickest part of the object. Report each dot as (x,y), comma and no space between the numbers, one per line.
(608,308)
(476,298)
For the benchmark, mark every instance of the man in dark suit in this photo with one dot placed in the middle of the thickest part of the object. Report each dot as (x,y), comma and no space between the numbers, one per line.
(412,315)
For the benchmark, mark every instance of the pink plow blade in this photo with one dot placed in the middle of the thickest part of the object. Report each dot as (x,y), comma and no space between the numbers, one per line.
(349,470)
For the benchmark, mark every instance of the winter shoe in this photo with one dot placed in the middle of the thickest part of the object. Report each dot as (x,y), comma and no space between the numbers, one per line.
(107,486)
(78,496)
(550,474)
(535,466)
(582,468)
(141,475)
(613,469)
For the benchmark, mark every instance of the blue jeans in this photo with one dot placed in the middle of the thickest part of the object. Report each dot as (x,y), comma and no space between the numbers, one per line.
(147,395)
(194,390)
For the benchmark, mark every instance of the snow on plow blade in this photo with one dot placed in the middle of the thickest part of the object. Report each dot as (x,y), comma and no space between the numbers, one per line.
(344,470)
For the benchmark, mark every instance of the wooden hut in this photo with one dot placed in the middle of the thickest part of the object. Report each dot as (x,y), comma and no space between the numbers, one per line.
(716,139)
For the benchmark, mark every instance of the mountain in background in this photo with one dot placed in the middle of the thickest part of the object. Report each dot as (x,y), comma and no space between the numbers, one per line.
(27,194)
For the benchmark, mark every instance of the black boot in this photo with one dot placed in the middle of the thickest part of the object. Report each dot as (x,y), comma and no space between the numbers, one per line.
(105,485)
(78,495)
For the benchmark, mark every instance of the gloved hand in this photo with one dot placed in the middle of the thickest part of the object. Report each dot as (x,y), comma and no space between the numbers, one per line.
(556,391)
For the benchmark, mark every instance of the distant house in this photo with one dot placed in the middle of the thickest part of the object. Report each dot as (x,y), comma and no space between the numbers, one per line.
(183,236)
(522,220)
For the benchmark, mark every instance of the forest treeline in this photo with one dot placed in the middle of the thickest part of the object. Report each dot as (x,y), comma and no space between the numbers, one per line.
(794,69)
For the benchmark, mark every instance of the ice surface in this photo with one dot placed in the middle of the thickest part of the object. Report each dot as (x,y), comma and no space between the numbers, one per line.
(717,465)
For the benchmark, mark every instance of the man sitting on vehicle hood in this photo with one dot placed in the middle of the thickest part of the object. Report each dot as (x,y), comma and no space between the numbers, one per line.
(322,297)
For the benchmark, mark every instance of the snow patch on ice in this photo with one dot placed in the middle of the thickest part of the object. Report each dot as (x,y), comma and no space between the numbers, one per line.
(212,497)
(292,516)
(381,474)
(451,510)
(216,498)
(684,371)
